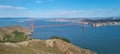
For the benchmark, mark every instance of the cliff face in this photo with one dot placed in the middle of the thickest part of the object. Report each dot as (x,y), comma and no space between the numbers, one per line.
(52,46)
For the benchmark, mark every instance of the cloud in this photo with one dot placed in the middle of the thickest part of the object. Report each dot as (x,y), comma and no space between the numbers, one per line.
(69,13)
(61,13)
(39,2)
(50,0)
(87,13)
(11,7)
(66,11)
(43,1)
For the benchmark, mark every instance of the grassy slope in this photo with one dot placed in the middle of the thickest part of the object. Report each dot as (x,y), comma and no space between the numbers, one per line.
(40,47)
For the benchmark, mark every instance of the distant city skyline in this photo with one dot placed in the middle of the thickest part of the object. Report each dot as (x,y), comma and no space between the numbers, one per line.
(59,8)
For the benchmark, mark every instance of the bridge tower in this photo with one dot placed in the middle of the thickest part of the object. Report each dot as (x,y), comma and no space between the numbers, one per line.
(32,25)
(83,23)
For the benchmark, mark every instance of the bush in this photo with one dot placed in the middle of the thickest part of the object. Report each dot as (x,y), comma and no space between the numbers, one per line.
(14,37)
(61,38)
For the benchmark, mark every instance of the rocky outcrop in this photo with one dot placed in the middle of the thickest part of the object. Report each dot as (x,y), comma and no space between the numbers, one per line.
(35,46)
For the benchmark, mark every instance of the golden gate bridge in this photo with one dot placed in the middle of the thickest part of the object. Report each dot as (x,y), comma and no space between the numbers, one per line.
(56,25)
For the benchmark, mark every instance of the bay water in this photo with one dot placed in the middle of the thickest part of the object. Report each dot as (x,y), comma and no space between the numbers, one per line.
(103,40)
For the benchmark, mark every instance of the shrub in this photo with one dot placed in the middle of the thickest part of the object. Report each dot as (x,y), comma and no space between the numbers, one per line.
(61,38)
(14,37)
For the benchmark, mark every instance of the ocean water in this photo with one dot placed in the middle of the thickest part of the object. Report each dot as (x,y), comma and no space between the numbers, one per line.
(103,40)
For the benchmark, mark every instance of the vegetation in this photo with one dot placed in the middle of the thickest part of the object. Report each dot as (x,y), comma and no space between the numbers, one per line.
(61,38)
(14,37)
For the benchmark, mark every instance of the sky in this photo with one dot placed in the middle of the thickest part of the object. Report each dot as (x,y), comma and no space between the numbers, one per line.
(59,8)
